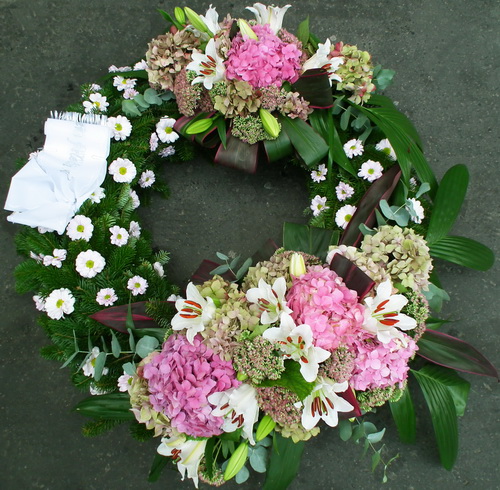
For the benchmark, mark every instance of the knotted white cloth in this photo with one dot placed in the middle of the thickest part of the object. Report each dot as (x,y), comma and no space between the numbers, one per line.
(55,182)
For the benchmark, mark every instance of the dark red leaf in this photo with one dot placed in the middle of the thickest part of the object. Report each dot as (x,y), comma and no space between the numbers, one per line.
(202,274)
(315,87)
(238,154)
(350,397)
(264,252)
(354,278)
(116,316)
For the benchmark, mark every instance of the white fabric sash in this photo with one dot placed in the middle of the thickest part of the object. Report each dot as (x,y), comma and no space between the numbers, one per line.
(55,182)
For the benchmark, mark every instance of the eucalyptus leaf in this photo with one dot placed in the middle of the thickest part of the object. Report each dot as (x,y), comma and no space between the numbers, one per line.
(222,256)
(258,459)
(376,436)
(435,297)
(69,359)
(242,475)
(151,97)
(141,101)
(345,429)
(146,345)
(234,262)
(244,268)
(129,368)
(100,360)
(375,460)
(221,269)
(344,119)
(424,187)
(116,348)
(129,108)
(131,340)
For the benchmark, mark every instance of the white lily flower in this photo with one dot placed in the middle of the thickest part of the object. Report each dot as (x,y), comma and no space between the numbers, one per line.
(188,454)
(382,315)
(271,300)
(211,19)
(324,403)
(269,15)
(322,59)
(193,313)
(208,66)
(239,408)
(296,342)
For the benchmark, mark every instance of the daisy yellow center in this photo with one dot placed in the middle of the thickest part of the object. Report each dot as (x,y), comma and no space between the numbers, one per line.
(348,217)
(353,147)
(119,236)
(80,228)
(89,264)
(137,285)
(371,170)
(118,127)
(122,170)
(97,104)
(59,303)
(107,296)
(168,130)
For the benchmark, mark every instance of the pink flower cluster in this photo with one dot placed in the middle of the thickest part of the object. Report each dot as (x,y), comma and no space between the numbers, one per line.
(263,62)
(181,377)
(322,300)
(380,365)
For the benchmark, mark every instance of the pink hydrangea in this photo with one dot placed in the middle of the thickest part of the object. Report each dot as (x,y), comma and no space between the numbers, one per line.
(322,300)
(181,377)
(380,365)
(263,62)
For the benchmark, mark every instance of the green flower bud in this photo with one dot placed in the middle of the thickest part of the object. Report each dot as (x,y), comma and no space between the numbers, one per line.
(266,425)
(237,461)
(179,15)
(270,123)
(195,20)
(297,265)
(246,30)
(199,126)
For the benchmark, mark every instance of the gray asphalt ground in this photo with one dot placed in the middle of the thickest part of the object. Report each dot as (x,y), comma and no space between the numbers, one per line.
(446,54)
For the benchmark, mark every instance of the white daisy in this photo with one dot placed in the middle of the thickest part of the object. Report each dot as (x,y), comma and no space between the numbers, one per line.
(95,87)
(96,103)
(344,191)
(59,302)
(141,65)
(122,83)
(147,179)
(353,148)
(89,263)
(37,257)
(386,147)
(153,141)
(119,236)
(137,285)
(371,170)
(97,195)
(318,204)
(122,170)
(89,367)
(129,93)
(344,215)
(134,229)
(159,269)
(120,126)
(39,302)
(80,228)
(135,200)
(56,260)
(115,69)
(165,130)
(415,209)
(167,152)
(124,382)
(106,296)
(319,174)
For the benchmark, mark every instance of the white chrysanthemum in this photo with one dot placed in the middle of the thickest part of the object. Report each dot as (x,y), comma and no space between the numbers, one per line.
(120,126)
(318,204)
(147,179)
(80,228)
(353,148)
(134,229)
(95,87)
(386,147)
(56,259)
(141,65)
(36,257)
(153,141)
(89,263)
(319,174)
(344,215)
(344,191)
(39,302)
(165,130)
(106,296)
(371,170)
(167,152)
(124,382)
(119,236)
(135,200)
(122,170)
(137,285)
(129,93)
(159,269)
(115,69)
(122,83)
(97,195)
(59,302)
(96,103)
(89,367)
(414,205)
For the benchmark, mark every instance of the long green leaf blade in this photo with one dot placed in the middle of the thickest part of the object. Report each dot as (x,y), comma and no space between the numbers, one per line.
(111,406)
(403,413)
(308,239)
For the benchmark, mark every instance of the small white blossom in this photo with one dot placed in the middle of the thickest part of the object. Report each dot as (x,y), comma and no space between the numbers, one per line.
(153,141)
(122,83)
(319,174)
(416,210)
(134,229)
(344,191)
(80,228)
(39,302)
(147,179)
(353,148)
(115,69)
(89,263)
(318,204)
(106,296)
(122,170)
(159,269)
(344,215)
(56,259)
(135,199)
(96,102)
(167,152)
(119,236)
(97,195)
(120,127)
(59,302)
(137,285)
(124,382)
(371,170)
(89,367)
(386,147)
(165,130)
(141,65)
(37,257)
(129,93)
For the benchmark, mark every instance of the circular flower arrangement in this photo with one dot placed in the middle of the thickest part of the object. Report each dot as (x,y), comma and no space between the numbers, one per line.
(257,356)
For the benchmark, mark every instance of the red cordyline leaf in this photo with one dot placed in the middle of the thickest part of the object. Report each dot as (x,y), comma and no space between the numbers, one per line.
(350,397)
(202,274)
(448,351)
(382,188)
(116,316)
(238,154)
(354,278)
(314,86)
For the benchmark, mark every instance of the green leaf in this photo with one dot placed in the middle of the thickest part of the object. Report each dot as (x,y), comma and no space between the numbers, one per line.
(131,340)
(345,429)
(209,457)
(278,148)
(303,31)
(129,108)
(284,463)
(116,348)
(376,436)
(146,345)
(449,199)
(434,383)
(424,187)
(310,146)
(258,457)
(139,100)
(308,239)
(344,119)
(244,268)
(403,414)
(435,297)
(110,406)
(375,460)
(100,360)
(69,359)
(171,19)
(221,269)
(129,319)
(384,78)
(151,97)
(222,256)
(220,123)
(463,251)
(129,368)
(159,462)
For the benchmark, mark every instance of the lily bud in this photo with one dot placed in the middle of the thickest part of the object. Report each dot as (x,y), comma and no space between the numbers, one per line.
(246,30)
(270,123)
(237,461)
(297,265)
(180,16)
(266,425)
(196,20)
(199,126)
